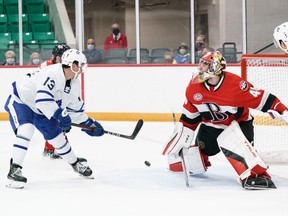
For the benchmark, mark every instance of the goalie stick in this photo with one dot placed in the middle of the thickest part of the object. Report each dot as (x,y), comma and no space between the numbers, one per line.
(185,169)
(132,136)
(181,154)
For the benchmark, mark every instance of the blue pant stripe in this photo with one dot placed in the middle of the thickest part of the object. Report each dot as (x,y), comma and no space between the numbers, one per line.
(67,152)
(63,146)
(21,147)
(21,137)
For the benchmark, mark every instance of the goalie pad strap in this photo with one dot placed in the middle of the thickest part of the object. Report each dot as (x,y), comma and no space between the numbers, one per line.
(240,153)
(181,137)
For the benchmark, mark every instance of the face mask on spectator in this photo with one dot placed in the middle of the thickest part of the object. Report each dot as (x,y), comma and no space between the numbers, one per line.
(182,51)
(10,61)
(116,31)
(36,61)
(199,45)
(168,60)
(90,46)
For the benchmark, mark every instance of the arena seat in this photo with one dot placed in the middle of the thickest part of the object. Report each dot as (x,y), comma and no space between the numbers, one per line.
(44,36)
(39,22)
(35,6)
(3,23)
(13,23)
(26,36)
(116,60)
(229,51)
(157,55)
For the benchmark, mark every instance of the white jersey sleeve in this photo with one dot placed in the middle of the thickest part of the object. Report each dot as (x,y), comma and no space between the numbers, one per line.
(41,90)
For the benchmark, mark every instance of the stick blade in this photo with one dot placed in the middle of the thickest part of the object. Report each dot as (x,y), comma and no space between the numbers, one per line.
(137,128)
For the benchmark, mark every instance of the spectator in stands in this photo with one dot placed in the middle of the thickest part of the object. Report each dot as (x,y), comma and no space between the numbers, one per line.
(35,59)
(116,39)
(168,57)
(10,58)
(93,55)
(183,56)
(200,43)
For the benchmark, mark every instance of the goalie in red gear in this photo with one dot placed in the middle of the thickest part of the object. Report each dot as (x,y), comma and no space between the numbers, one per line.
(218,101)
(57,52)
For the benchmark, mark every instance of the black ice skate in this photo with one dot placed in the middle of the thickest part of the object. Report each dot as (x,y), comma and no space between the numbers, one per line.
(16,179)
(50,153)
(258,183)
(82,168)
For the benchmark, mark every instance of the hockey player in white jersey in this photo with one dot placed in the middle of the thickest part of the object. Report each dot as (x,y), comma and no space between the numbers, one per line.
(281,37)
(50,101)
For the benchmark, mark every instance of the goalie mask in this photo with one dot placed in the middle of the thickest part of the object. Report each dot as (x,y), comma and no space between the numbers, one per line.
(74,56)
(281,36)
(210,65)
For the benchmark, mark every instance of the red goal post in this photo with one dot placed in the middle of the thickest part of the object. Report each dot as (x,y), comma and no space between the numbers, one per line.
(268,72)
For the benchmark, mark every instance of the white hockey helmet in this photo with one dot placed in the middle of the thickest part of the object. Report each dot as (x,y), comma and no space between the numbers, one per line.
(71,56)
(281,36)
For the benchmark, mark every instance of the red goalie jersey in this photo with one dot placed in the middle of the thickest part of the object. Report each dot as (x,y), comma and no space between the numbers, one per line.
(229,100)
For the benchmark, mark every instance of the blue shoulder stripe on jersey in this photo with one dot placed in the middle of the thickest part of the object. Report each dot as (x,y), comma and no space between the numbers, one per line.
(45,92)
(15,89)
(44,100)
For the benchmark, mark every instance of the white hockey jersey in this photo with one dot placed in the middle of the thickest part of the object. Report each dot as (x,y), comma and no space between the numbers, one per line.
(47,89)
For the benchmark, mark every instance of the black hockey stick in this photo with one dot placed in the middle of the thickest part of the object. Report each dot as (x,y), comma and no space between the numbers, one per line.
(132,136)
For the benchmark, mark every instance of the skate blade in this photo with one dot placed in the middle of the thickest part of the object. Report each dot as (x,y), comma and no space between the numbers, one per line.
(87,177)
(15,184)
(258,188)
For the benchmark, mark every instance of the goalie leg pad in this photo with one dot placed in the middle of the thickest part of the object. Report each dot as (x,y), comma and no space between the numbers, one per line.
(193,158)
(194,161)
(181,137)
(240,153)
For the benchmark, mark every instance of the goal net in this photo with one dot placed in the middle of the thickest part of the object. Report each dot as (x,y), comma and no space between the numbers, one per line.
(268,72)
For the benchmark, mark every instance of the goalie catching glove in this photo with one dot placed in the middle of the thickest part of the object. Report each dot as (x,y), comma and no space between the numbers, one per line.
(280,117)
(98,130)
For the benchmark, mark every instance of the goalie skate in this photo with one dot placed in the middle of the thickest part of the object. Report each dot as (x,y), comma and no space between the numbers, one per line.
(258,183)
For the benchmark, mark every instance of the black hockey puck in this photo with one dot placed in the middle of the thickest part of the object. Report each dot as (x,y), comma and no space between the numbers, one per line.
(147,163)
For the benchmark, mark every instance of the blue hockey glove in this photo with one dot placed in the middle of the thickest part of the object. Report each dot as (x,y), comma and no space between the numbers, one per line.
(63,119)
(98,129)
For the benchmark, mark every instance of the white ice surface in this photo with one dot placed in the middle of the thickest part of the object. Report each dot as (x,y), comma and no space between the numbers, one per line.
(123,185)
